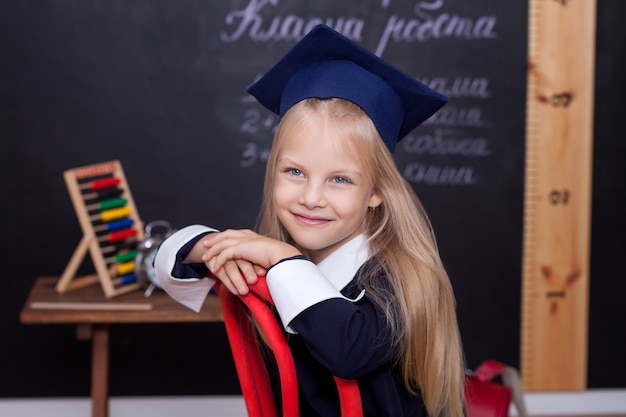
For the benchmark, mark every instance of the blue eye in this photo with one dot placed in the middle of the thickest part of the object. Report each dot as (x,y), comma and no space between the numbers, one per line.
(294,171)
(341,180)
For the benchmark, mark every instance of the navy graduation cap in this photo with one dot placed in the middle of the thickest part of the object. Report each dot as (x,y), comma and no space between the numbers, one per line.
(326,64)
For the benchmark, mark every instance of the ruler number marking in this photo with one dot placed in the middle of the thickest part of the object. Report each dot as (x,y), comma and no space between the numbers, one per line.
(558,100)
(562,99)
(559,197)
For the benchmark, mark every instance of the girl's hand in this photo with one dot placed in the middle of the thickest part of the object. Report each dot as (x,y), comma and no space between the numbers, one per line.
(237,257)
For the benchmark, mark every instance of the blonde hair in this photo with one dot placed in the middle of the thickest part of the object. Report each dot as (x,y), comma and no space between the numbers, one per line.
(421,311)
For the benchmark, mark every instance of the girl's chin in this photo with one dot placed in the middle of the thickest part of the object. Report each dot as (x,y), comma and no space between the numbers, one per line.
(317,249)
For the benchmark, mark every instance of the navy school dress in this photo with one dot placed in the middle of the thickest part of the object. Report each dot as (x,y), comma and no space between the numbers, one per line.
(329,342)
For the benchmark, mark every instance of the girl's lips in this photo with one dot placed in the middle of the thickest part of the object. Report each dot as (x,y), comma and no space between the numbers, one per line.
(310,220)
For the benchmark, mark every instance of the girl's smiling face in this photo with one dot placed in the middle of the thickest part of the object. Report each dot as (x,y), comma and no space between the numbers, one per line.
(321,194)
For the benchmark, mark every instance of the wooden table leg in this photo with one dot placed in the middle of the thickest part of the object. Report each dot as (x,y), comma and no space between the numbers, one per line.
(100,371)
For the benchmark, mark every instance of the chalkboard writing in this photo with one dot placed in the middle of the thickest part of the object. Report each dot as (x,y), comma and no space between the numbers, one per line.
(465,128)
(163,90)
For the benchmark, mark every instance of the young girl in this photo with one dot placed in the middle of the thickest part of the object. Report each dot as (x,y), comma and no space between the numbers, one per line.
(349,254)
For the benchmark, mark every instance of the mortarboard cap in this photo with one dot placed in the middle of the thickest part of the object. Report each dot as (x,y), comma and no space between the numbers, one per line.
(326,64)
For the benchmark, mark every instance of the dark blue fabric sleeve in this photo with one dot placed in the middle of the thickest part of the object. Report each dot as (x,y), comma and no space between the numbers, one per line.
(184,270)
(349,338)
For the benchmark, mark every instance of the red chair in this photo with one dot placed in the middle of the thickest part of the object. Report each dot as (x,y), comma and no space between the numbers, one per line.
(484,397)
(251,370)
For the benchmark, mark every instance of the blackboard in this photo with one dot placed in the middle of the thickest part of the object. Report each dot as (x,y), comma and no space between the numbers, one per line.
(160,85)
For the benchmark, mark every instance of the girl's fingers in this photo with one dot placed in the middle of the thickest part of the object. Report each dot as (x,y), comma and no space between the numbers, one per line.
(225,252)
(229,285)
(232,271)
(248,271)
(237,274)
(217,261)
(260,271)
(252,252)
(227,237)
(223,276)
(216,243)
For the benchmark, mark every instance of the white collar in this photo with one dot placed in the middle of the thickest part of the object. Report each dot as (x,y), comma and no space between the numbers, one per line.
(341,266)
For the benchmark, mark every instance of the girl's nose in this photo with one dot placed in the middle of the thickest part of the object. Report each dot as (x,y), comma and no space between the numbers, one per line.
(312,195)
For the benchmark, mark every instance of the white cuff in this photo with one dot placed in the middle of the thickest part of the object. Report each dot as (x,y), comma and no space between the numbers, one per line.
(296,285)
(190,292)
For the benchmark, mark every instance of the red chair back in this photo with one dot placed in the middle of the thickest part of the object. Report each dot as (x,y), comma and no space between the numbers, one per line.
(249,363)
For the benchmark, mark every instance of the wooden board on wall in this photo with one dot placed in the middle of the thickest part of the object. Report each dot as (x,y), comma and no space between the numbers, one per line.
(555,281)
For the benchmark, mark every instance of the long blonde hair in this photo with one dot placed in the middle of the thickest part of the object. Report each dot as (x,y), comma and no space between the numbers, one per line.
(421,311)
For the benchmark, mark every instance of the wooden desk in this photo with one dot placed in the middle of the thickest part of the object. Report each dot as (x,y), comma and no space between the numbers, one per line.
(93,313)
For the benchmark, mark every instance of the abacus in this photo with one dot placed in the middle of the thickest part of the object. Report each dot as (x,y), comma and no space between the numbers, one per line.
(111,229)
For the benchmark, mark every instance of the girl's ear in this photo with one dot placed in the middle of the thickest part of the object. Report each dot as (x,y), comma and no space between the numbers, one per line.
(375,200)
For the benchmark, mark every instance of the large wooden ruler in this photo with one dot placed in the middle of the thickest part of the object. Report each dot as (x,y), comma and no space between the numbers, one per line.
(559,136)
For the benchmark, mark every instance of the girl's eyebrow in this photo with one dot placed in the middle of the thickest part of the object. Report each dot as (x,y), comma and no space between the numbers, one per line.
(347,172)
(284,159)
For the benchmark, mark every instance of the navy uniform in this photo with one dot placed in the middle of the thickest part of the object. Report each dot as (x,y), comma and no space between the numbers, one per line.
(333,326)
